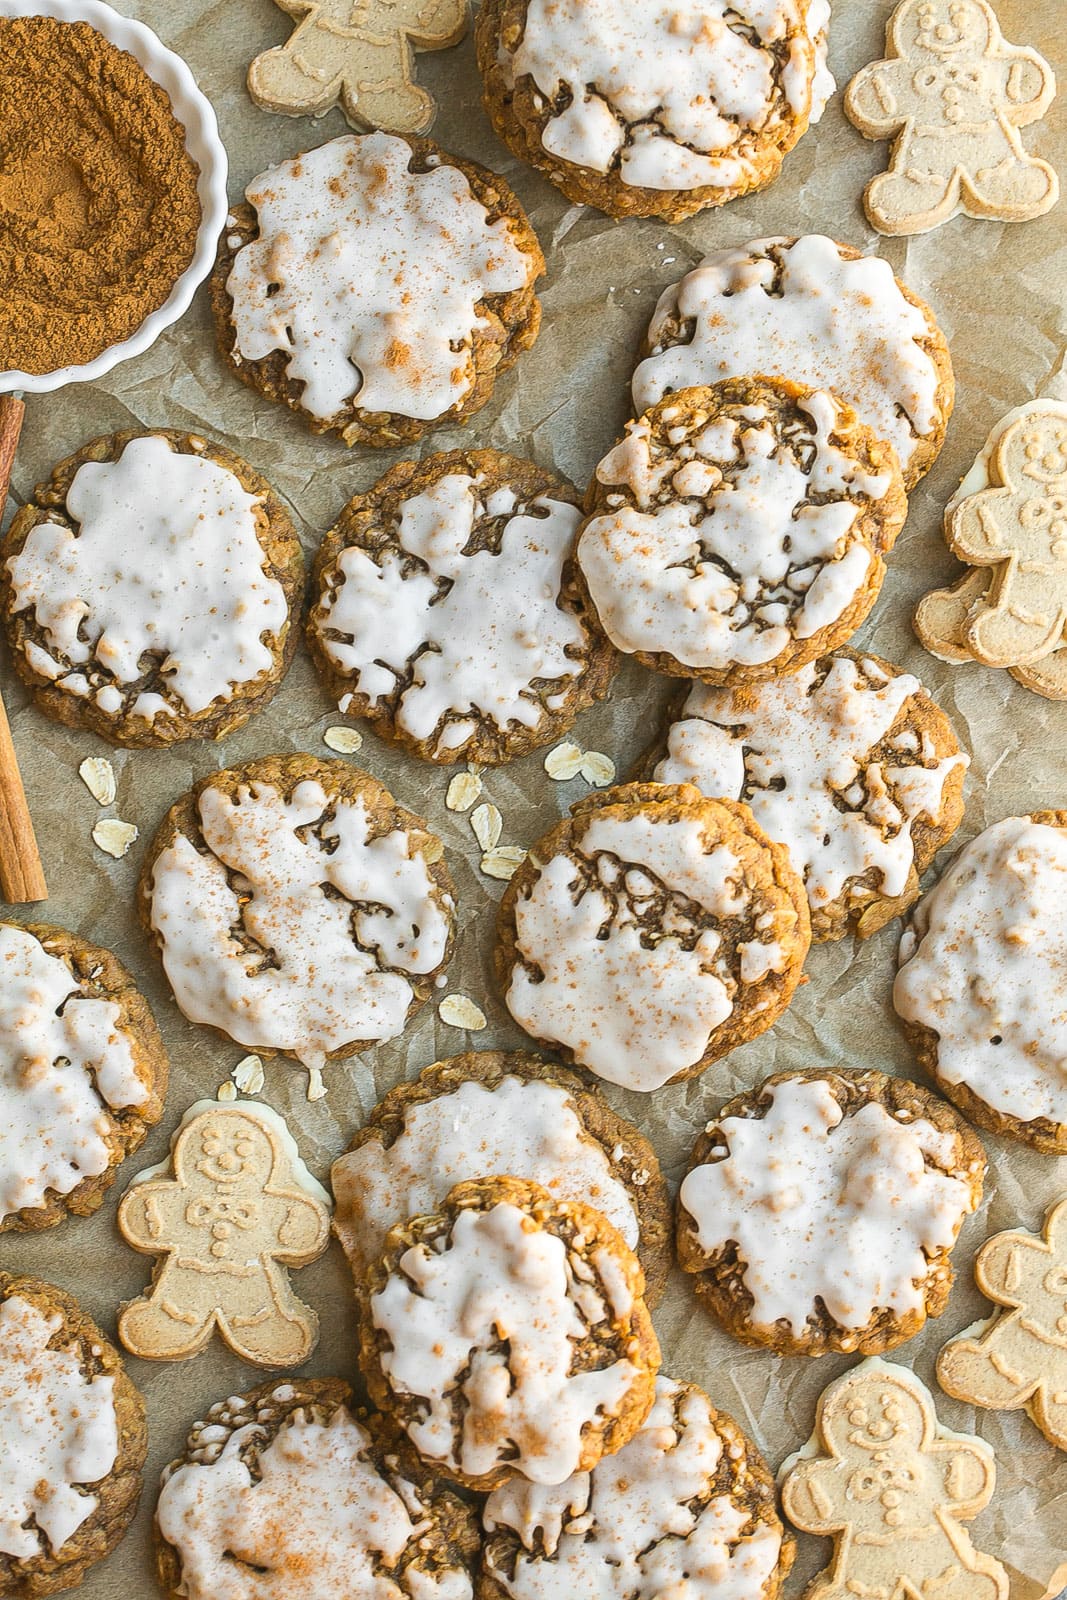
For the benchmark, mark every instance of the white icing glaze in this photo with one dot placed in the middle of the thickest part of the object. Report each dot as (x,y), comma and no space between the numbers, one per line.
(825,85)
(985,966)
(798,752)
(827,1206)
(676,96)
(479,629)
(834,324)
(64,1062)
(163,561)
(494,1280)
(628,1530)
(741,539)
(320,1523)
(380,272)
(324,990)
(58,1432)
(520,1129)
(635,1015)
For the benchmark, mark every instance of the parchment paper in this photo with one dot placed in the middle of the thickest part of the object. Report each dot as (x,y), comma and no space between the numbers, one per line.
(1001,295)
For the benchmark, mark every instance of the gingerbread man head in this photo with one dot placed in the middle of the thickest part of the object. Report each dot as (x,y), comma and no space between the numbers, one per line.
(1036,455)
(1041,1281)
(228,1149)
(944,29)
(882,1433)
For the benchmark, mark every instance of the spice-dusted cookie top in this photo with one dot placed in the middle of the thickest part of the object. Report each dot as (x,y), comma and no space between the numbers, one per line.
(983,982)
(297,908)
(848,763)
(447,611)
(651,933)
(686,1507)
(818,313)
(507,1333)
(819,1210)
(83,1072)
(148,589)
(738,531)
(647,108)
(290,1490)
(373,281)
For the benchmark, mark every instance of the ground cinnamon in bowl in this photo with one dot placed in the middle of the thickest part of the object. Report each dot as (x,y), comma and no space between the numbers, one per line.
(99,209)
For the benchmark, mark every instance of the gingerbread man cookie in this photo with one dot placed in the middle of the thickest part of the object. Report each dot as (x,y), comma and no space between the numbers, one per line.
(952,95)
(1019,1357)
(239,1208)
(358,52)
(891,1487)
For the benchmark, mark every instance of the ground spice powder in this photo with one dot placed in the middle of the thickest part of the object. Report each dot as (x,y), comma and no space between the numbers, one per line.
(98,199)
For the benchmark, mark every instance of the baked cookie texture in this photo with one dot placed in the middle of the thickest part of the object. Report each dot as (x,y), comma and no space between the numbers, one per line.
(292,1485)
(982,978)
(820,1210)
(377,286)
(507,1333)
(150,589)
(642,110)
(72,1444)
(651,933)
(688,1494)
(849,763)
(818,313)
(500,1112)
(447,613)
(739,531)
(297,908)
(83,1074)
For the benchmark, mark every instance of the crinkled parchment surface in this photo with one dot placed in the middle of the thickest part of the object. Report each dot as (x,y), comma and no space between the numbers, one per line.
(1001,295)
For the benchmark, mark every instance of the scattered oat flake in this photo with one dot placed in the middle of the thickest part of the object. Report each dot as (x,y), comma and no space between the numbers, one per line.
(503,862)
(563,762)
(226,1091)
(460,1012)
(248,1075)
(114,837)
(463,791)
(487,825)
(597,769)
(346,741)
(98,776)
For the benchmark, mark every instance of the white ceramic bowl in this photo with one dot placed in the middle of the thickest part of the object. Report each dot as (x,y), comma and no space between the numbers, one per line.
(194,111)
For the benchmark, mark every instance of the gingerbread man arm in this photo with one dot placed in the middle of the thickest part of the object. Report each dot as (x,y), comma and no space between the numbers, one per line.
(973,530)
(807,1497)
(303,1228)
(968,1474)
(879,99)
(1006,1262)
(1030,87)
(145,1212)
(441,23)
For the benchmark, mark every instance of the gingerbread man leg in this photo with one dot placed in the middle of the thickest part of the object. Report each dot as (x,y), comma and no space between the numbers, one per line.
(388,101)
(921,187)
(1025,625)
(1017,187)
(154,1328)
(1049,1405)
(978,1367)
(301,77)
(271,1328)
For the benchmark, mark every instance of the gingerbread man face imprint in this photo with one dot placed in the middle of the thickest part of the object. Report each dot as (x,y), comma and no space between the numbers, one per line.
(952,94)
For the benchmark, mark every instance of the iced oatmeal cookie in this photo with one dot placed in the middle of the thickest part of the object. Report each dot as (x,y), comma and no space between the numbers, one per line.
(849,763)
(150,589)
(376,286)
(291,1490)
(297,908)
(651,933)
(83,1073)
(820,314)
(739,531)
(507,1113)
(645,108)
(820,1210)
(446,610)
(72,1441)
(686,1507)
(982,988)
(506,1333)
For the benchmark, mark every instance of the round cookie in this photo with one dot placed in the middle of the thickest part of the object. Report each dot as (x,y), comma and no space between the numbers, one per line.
(689,1494)
(647,111)
(376,286)
(506,1333)
(298,909)
(738,532)
(83,1074)
(815,312)
(446,610)
(820,1209)
(291,1489)
(651,933)
(983,977)
(848,763)
(150,589)
(500,1112)
(72,1441)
